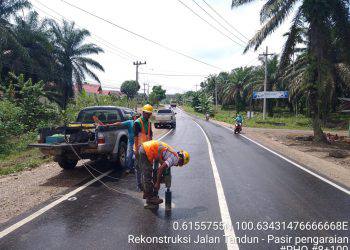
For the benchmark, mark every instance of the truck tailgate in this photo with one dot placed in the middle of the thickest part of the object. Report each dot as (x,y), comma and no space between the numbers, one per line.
(163,118)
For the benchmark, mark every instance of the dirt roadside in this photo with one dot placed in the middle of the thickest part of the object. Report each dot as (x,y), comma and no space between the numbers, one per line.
(24,190)
(314,156)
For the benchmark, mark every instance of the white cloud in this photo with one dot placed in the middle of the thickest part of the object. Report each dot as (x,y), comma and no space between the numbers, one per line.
(170,23)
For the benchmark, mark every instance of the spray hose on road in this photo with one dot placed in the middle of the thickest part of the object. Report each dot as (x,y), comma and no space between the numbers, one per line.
(133,194)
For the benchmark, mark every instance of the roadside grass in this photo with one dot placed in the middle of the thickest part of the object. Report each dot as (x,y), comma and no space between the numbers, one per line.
(281,120)
(19,157)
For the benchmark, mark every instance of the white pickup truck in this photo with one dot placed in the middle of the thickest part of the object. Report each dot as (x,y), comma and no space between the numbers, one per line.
(165,118)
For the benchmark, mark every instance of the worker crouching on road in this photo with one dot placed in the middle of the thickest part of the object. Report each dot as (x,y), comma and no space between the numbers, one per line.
(142,133)
(155,151)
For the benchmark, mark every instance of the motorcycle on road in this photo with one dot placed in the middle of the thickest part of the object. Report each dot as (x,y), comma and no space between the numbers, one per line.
(238,128)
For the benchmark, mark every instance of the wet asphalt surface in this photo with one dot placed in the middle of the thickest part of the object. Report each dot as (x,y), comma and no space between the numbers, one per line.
(259,187)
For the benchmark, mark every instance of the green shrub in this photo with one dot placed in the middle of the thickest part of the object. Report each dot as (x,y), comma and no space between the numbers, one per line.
(10,124)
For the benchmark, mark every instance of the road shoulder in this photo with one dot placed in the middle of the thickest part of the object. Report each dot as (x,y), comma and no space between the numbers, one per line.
(334,172)
(22,191)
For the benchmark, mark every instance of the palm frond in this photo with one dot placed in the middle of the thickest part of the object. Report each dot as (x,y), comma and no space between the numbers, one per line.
(292,40)
(236,3)
(87,49)
(272,24)
(89,62)
(269,9)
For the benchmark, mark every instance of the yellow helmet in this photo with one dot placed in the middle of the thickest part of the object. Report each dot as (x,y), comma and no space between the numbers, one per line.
(147,108)
(186,156)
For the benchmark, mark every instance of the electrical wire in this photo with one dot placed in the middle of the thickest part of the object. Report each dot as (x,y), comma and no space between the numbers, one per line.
(98,43)
(211,25)
(218,22)
(127,53)
(110,47)
(175,75)
(141,36)
(218,14)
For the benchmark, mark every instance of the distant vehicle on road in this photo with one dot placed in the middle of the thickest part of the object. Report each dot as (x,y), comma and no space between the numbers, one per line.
(129,113)
(85,139)
(165,118)
(173,104)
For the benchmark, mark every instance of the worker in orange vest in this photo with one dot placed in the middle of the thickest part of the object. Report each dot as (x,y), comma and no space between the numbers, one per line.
(156,151)
(142,133)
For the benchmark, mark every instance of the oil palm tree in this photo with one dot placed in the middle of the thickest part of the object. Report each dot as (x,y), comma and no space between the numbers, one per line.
(323,21)
(39,64)
(8,9)
(239,86)
(72,54)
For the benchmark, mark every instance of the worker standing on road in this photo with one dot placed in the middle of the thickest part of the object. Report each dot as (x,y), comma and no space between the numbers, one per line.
(156,151)
(142,133)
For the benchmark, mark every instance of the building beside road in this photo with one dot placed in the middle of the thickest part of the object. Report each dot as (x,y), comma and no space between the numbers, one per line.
(97,89)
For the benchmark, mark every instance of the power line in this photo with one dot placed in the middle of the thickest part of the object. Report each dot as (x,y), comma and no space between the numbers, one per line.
(217,13)
(218,22)
(108,48)
(141,36)
(176,75)
(222,33)
(120,52)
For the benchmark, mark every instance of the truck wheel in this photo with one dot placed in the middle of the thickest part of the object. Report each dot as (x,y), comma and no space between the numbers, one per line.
(174,126)
(122,150)
(67,163)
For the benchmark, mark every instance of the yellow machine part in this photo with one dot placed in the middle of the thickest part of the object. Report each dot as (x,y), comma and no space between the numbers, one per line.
(84,125)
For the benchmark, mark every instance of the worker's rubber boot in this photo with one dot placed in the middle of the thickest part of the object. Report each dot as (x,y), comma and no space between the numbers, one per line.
(154,200)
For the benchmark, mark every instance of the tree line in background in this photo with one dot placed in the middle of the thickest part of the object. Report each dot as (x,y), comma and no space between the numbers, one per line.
(314,65)
(130,88)
(42,64)
(45,50)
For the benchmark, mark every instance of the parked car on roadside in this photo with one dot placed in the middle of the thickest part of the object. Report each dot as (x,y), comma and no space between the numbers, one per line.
(165,118)
(85,139)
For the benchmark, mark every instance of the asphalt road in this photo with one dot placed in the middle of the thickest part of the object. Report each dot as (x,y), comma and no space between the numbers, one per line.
(264,196)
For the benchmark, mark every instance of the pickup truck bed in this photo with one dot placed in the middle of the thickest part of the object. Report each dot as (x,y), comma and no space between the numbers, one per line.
(88,141)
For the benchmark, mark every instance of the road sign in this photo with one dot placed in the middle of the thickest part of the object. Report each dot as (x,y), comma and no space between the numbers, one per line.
(270,95)
(345,107)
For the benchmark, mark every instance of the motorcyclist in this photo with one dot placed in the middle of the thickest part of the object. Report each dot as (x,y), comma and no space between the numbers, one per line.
(238,125)
(239,119)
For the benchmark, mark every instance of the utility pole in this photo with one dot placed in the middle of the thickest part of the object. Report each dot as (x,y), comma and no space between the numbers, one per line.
(144,88)
(251,102)
(137,64)
(196,87)
(266,54)
(216,96)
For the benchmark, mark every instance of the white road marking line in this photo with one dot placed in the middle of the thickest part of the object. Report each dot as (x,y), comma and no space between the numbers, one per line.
(294,163)
(49,206)
(225,214)
(56,202)
(160,138)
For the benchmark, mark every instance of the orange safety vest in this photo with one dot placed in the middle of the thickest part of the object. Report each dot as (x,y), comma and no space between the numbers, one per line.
(143,137)
(154,150)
